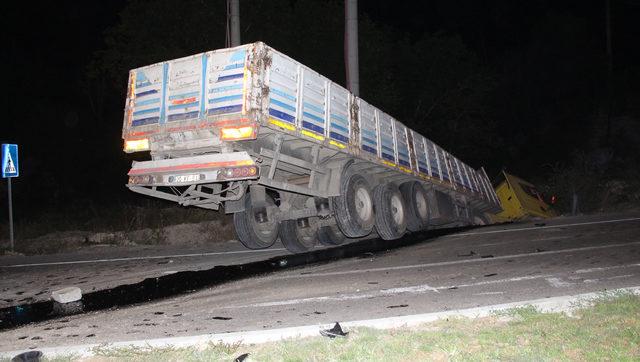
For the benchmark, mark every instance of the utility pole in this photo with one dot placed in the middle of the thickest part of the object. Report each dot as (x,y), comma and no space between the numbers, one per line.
(609,71)
(234,19)
(351,45)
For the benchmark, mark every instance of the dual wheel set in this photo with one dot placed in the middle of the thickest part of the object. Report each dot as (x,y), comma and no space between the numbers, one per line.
(389,208)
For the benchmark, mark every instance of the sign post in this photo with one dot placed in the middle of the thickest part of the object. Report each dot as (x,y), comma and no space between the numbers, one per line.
(9,171)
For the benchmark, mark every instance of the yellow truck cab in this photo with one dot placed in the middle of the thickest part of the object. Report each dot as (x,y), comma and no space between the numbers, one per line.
(520,199)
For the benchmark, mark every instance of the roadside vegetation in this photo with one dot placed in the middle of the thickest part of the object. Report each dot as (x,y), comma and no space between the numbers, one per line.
(147,222)
(609,329)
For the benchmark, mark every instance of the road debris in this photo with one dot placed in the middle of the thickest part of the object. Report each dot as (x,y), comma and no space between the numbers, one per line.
(31,356)
(67,295)
(398,306)
(334,332)
(471,253)
(241,357)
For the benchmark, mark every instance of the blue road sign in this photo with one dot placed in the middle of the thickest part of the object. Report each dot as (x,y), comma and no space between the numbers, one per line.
(10,160)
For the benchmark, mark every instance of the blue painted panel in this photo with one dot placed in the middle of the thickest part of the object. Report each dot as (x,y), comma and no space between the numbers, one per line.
(339,128)
(313,108)
(203,82)
(283,94)
(283,116)
(339,118)
(282,104)
(313,127)
(144,121)
(369,149)
(388,157)
(225,88)
(183,116)
(369,140)
(313,117)
(183,95)
(226,98)
(147,102)
(146,93)
(226,109)
(225,78)
(234,66)
(165,80)
(145,111)
(339,137)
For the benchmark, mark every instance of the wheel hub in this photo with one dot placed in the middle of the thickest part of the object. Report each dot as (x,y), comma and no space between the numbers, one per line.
(397,209)
(364,205)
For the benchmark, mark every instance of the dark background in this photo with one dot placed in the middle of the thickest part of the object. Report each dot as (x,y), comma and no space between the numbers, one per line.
(521,85)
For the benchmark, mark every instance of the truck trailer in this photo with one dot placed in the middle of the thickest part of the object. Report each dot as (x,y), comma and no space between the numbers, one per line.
(291,154)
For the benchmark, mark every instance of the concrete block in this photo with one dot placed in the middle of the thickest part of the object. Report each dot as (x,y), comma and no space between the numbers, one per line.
(67,295)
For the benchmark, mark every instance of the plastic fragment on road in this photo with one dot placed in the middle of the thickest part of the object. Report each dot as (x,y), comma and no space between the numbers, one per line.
(334,332)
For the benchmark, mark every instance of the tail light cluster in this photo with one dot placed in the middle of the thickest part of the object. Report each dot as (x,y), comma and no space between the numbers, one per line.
(237,172)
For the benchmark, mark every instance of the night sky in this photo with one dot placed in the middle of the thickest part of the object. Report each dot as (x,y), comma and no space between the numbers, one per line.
(502,84)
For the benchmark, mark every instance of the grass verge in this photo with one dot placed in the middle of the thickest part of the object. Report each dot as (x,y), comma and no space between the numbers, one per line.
(609,329)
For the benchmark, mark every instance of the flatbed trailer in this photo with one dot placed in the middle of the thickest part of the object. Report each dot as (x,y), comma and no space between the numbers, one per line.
(293,155)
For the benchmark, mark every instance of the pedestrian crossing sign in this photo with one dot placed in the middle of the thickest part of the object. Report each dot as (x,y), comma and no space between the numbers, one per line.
(9,160)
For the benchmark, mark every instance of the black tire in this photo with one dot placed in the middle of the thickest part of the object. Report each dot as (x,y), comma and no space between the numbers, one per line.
(297,238)
(354,210)
(391,214)
(251,233)
(415,198)
(330,235)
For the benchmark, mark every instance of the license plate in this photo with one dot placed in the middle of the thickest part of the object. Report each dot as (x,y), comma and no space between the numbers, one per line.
(186,178)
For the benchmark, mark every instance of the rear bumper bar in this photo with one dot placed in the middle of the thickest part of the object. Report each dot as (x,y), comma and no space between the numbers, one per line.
(218,167)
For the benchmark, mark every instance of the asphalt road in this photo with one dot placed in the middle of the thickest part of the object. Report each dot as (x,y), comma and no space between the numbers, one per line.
(483,266)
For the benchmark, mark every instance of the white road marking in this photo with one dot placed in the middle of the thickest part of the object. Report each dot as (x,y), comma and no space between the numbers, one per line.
(455,262)
(620,276)
(558,283)
(591,270)
(142,258)
(554,280)
(545,227)
(415,290)
(489,293)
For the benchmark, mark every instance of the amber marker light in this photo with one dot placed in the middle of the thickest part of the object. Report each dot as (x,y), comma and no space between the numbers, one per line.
(238,133)
(136,145)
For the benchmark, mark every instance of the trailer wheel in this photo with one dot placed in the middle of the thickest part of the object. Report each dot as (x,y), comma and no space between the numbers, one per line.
(415,198)
(480,219)
(391,215)
(330,235)
(252,233)
(354,207)
(300,235)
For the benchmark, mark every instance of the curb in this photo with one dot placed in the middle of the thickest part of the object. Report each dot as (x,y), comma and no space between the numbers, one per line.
(547,305)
